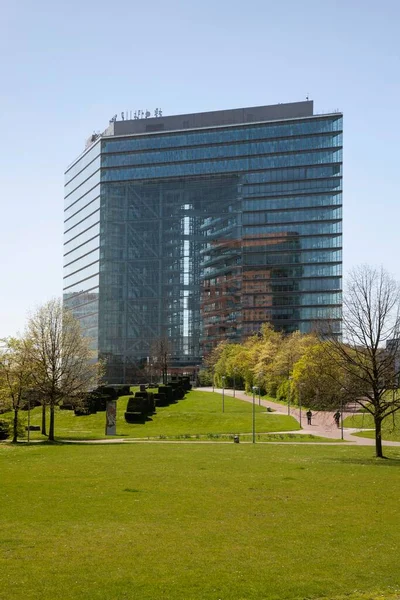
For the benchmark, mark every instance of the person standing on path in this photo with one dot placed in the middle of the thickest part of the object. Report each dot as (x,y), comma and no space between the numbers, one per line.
(309,417)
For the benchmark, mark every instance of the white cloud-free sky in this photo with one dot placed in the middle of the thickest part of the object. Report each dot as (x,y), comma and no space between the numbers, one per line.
(66,68)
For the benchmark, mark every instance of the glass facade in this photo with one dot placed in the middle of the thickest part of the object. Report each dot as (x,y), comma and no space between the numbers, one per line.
(203,235)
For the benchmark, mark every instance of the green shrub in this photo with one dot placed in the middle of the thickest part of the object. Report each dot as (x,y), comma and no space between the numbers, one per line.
(4,429)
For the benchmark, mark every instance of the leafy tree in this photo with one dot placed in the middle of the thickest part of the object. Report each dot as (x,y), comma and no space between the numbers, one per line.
(15,377)
(63,365)
(290,349)
(370,351)
(269,345)
(320,379)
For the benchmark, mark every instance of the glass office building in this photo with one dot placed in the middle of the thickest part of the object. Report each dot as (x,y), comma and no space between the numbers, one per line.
(199,228)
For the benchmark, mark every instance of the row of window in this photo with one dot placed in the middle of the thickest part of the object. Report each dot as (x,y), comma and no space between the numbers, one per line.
(293,174)
(292,202)
(82,262)
(88,321)
(82,238)
(84,273)
(194,138)
(215,152)
(82,215)
(222,166)
(82,176)
(334,184)
(316,214)
(92,219)
(299,229)
(81,202)
(267,314)
(77,194)
(82,286)
(81,250)
(79,301)
(279,272)
(276,258)
(82,162)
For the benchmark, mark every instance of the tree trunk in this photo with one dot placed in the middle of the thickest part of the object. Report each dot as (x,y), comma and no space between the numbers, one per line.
(51,426)
(378,437)
(44,419)
(15,426)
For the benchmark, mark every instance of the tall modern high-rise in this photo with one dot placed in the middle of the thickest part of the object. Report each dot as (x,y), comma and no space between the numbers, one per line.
(198,228)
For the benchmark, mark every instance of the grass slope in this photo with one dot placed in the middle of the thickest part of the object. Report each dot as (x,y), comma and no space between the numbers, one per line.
(204,522)
(200,413)
(390,426)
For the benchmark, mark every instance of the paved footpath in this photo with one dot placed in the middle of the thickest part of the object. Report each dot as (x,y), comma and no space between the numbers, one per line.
(322,423)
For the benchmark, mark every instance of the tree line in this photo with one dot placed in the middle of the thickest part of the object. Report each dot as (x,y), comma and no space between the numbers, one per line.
(51,362)
(327,368)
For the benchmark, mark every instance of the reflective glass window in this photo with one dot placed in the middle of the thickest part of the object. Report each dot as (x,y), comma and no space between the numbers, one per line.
(300,229)
(81,286)
(82,238)
(252,132)
(82,250)
(316,214)
(83,273)
(82,176)
(221,151)
(82,162)
(223,166)
(82,226)
(88,185)
(285,188)
(291,202)
(79,299)
(86,260)
(82,214)
(82,202)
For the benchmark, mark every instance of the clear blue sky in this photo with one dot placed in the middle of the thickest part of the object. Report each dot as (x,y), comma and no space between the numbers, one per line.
(66,68)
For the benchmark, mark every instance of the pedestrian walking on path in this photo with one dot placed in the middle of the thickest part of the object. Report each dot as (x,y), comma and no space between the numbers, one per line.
(309,416)
(336,416)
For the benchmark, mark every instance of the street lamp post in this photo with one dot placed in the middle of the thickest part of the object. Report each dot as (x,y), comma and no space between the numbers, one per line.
(254,415)
(234,382)
(29,420)
(341,411)
(289,394)
(223,393)
(213,375)
(300,386)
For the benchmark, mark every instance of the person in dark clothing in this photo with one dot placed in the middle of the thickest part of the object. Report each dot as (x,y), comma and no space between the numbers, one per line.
(309,416)
(336,416)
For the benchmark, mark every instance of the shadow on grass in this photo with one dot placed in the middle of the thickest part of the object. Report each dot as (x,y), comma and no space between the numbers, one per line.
(386,461)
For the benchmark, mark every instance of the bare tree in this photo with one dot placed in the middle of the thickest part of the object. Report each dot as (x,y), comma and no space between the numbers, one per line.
(63,365)
(15,377)
(160,356)
(370,351)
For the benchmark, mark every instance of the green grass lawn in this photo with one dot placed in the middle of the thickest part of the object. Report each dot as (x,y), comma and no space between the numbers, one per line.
(390,426)
(198,522)
(200,413)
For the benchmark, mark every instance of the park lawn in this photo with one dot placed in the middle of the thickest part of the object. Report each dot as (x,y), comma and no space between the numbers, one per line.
(390,426)
(200,413)
(198,522)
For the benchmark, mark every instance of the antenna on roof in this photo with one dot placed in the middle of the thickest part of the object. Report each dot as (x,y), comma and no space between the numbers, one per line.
(307,97)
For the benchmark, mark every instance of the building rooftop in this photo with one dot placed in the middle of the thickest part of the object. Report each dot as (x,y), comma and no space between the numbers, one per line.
(234,116)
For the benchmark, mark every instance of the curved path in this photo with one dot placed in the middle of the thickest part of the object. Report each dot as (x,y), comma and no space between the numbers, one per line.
(322,423)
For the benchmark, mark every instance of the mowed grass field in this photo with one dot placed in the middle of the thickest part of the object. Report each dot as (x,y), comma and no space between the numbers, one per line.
(199,413)
(198,521)
(390,426)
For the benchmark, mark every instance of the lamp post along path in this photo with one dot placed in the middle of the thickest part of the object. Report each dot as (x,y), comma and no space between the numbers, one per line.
(254,415)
